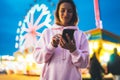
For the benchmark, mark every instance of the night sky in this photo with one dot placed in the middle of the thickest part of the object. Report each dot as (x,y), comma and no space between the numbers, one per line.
(12,11)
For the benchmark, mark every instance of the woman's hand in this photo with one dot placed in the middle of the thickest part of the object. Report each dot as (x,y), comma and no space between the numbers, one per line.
(55,40)
(70,45)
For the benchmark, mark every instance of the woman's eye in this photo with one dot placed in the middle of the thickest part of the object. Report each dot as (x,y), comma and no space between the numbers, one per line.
(62,10)
(70,11)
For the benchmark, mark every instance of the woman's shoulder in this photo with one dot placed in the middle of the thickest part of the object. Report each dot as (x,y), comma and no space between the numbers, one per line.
(82,34)
(81,31)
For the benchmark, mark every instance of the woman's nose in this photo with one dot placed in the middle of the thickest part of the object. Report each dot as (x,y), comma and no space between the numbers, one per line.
(66,13)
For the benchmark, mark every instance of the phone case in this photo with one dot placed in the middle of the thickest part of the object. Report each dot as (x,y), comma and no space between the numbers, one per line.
(70,32)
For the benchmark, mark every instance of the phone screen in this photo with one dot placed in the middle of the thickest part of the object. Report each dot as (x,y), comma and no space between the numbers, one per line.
(70,32)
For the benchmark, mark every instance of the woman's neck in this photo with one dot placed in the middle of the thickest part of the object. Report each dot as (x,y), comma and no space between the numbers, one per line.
(66,25)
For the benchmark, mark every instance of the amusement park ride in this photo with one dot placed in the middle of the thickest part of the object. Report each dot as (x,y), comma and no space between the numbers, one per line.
(99,35)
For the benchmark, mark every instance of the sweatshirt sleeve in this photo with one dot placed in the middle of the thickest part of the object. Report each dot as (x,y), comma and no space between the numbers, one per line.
(43,50)
(80,57)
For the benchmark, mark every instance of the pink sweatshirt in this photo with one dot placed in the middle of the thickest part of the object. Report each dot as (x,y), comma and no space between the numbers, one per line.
(60,64)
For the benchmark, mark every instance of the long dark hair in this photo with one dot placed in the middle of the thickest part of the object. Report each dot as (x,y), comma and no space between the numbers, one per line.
(74,19)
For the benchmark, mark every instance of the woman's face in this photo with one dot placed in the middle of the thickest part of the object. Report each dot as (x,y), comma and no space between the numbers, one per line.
(65,13)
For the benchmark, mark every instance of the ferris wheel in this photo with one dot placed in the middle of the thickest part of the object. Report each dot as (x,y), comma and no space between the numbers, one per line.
(29,31)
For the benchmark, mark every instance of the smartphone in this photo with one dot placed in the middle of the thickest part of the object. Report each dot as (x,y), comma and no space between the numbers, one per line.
(70,33)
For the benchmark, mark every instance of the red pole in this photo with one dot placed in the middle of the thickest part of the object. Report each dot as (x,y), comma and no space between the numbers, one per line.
(97,14)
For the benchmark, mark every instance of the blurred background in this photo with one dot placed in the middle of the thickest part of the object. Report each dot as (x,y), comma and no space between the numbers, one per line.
(22,22)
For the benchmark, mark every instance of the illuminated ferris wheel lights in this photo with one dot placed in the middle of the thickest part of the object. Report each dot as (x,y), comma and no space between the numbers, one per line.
(48,25)
(18,30)
(21,38)
(23,28)
(21,48)
(32,10)
(39,8)
(20,23)
(30,26)
(16,45)
(48,18)
(17,38)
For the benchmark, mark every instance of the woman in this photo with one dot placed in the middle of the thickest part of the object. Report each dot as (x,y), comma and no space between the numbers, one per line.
(62,60)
